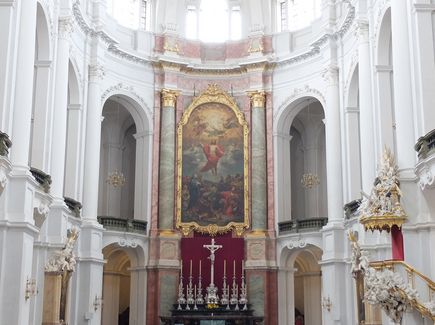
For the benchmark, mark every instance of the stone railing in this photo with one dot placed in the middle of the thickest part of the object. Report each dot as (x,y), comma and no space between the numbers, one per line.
(425,145)
(73,205)
(351,208)
(42,178)
(127,225)
(5,144)
(302,225)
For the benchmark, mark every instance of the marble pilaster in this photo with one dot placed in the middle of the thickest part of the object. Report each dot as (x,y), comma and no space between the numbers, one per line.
(258,161)
(167,160)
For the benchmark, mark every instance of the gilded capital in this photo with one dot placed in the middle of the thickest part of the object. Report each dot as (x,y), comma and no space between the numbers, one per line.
(258,98)
(169,97)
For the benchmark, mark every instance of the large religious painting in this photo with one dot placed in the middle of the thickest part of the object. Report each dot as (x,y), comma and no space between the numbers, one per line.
(212,158)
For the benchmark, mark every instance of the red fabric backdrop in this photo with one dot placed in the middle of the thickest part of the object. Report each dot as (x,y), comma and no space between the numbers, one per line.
(192,250)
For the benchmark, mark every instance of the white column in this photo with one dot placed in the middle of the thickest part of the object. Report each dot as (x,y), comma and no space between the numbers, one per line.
(73,154)
(368,160)
(8,37)
(384,78)
(92,145)
(353,160)
(403,103)
(23,92)
(425,71)
(58,145)
(282,176)
(110,312)
(138,295)
(333,146)
(41,121)
(286,294)
(142,175)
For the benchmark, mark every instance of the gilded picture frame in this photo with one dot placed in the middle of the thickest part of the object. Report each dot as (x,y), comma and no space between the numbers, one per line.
(212,166)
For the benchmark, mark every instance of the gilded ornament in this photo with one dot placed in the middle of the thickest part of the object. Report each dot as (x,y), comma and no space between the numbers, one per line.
(382,209)
(258,98)
(169,97)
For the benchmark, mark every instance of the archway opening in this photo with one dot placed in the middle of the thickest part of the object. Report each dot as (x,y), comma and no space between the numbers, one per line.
(118,161)
(116,286)
(308,162)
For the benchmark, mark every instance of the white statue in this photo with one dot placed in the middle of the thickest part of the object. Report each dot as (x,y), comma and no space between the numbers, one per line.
(64,260)
(383,288)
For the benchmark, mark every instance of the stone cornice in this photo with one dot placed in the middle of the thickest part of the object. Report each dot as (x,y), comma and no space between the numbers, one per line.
(236,69)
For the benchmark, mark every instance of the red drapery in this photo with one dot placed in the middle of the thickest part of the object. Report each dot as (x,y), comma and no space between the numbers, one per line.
(192,250)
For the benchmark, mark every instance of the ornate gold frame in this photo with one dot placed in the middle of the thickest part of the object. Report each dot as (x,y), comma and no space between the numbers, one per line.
(213,94)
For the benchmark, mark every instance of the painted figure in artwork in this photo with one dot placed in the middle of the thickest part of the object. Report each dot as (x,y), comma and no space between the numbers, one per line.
(213,152)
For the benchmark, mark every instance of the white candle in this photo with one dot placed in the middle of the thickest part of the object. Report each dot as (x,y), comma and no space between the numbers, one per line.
(190,267)
(200,267)
(225,267)
(181,268)
(234,267)
(243,266)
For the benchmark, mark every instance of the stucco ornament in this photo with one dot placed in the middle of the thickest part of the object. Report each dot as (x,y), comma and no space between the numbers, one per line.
(382,288)
(382,209)
(65,259)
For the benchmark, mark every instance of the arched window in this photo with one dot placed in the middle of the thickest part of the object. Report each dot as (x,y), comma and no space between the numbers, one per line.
(297,14)
(214,21)
(130,13)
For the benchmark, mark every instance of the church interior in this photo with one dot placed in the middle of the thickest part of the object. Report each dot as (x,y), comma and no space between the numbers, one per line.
(221,162)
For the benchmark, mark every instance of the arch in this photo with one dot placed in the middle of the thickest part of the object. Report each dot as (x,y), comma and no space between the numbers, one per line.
(287,111)
(136,106)
(383,55)
(43,40)
(299,282)
(303,114)
(74,93)
(353,89)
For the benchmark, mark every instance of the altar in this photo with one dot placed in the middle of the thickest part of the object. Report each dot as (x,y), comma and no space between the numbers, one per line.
(216,316)
(224,304)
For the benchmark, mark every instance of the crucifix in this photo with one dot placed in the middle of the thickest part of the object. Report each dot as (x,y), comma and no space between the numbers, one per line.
(212,248)
(212,297)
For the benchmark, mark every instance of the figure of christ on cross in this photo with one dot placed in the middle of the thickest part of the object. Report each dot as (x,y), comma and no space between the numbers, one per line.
(212,248)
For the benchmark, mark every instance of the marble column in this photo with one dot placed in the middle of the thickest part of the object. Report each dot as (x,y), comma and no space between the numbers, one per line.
(368,157)
(17,223)
(403,101)
(58,215)
(167,160)
(58,137)
(7,54)
(333,147)
(23,93)
(258,161)
(92,144)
